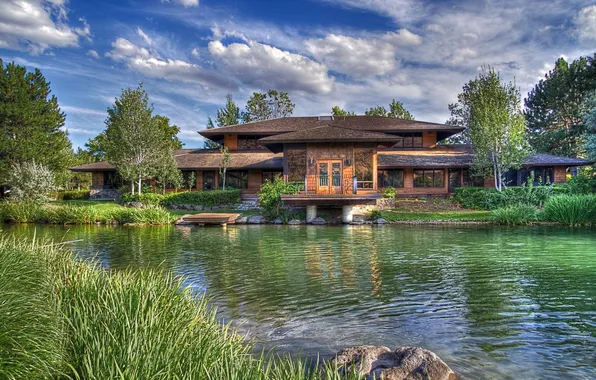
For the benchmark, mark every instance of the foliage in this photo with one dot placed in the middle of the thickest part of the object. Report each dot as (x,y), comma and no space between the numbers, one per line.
(589,121)
(396,110)
(336,111)
(30,122)
(167,173)
(521,214)
(581,184)
(271,192)
(144,198)
(190,181)
(78,180)
(228,115)
(375,214)
(170,132)
(224,163)
(438,216)
(571,209)
(30,181)
(389,192)
(136,142)
(490,199)
(555,106)
(96,147)
(270,105)
(79,321)
(210,144)
(491,112)
(22,212)
(69,195)
(203,198)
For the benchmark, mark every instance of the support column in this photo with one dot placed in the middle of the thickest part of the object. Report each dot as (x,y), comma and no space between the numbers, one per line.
(347,214)
(311,213)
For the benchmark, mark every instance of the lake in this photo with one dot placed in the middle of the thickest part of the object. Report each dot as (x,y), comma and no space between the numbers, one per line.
(493,302)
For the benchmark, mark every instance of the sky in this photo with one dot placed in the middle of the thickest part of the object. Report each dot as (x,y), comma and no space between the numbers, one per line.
(353,53)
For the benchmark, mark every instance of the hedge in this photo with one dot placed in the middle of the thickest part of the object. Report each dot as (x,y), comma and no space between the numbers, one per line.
(199,198)
(490,199)
(73,195)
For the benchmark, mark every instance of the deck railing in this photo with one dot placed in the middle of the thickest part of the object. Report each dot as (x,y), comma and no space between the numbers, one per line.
(328,184)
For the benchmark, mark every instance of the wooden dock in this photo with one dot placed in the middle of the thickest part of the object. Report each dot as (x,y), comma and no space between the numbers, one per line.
(211,218)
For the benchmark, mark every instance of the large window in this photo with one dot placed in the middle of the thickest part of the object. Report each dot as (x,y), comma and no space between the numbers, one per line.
(271,176)
(296,165)
(429,178)
(543,175)
(392,177)
(471,180)
(363,167)
(236,179)
(409,140)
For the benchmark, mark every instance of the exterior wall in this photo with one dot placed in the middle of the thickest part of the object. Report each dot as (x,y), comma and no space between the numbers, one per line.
(97,179)
(255,179)
(429,139)
(560,174)
(231,142)
(199,183)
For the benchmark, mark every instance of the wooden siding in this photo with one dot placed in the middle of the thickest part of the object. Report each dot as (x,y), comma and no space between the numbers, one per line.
(429,139)
(97,179)
(255,179)
(560,174)
(199,183)
(231,142)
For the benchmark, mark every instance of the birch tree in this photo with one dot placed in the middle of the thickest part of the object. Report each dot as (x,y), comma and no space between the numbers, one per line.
(223,165)
(135,141)
(491,111)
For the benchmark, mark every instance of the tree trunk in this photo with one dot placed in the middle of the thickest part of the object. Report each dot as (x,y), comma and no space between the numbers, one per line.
(132,187)
(224,179)
(139,186)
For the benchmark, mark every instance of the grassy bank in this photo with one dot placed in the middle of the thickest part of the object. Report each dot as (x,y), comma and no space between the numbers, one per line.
(62,318)
(439,216)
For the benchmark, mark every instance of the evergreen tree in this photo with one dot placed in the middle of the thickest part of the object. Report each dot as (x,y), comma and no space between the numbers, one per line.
(30,122)
(270,105)
(396,111)
(210,144)
(227,115)
(336,111)
(589,120)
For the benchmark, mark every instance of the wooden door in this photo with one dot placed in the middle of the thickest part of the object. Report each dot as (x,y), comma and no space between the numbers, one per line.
(329,177)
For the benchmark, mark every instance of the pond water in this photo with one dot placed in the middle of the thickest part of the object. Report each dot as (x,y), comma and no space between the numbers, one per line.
(493,302)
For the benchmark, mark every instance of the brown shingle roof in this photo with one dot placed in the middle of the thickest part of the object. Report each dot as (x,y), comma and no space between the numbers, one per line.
(330,133)
(238,160)
(102,166)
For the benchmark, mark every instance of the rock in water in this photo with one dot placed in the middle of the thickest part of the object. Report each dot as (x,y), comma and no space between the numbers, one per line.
(257,219)
(405,363)
(318,221)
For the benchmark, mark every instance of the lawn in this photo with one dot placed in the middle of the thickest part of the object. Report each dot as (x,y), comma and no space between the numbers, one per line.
(447,216)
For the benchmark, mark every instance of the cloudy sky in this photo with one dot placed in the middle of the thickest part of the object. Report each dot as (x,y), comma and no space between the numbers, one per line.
(351,53)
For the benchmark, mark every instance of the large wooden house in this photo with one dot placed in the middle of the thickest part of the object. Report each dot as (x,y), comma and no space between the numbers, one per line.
(341,160)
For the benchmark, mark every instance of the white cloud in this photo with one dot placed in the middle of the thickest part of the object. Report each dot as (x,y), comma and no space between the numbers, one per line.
(82,111)
(38,25)
(93,54)
(401,10)
(185,3)
(195,52)
(144,36)
(402,37)
(264,66)
(123,49)
(585,22)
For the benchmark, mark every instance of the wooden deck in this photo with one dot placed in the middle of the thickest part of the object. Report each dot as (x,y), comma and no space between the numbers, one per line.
(330,200)
(212,218)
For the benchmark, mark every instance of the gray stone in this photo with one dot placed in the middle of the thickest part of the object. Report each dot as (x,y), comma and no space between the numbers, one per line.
(318,221)
(242,220)
(187,207)
(257,219)
(135,205)
(358,218)
(295,222)
(198,208)
(215,207)
(381,221)
(404,363)
(277,221)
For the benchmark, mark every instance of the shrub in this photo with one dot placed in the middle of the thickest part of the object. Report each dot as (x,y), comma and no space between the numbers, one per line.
(270,195)
(571,209)
(515,215)
(490,199)
(203,198)
(30,181)
(70,214)
(582,184)
(145,198)
(375,214)
(23,212)
(389,192)
(73,195)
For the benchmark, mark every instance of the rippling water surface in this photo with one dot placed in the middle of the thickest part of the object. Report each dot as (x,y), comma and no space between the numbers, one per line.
(492,302)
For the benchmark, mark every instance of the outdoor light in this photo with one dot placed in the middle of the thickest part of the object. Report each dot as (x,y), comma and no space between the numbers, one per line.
(348,162)
(311,161)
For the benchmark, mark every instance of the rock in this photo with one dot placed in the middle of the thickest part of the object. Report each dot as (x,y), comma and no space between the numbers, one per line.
(215,207)
(206,208)
(187,207)
(358,218)
(135,205)
(257,219)
(277,221)
(198,208)
(295,222)
(380,221)
(404,363)
(242,220)
(181,222)
(318,221)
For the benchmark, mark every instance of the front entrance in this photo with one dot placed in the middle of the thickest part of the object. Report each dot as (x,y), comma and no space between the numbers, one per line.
(329,179)
(454,179)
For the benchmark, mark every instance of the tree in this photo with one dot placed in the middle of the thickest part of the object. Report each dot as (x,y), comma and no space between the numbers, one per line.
(271,192)
(210,144)
(227,115)
(136,143)
(555,106)
(96,147)
(167,173)
(589,121)
(396,111)
(376,111)
(30,122)
(191,180)
(336,111)
(491,111)
(80,180)
(223,166)
(270,105)
(31,181)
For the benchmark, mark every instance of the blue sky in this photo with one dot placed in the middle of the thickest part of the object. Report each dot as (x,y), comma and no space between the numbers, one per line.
(351,53)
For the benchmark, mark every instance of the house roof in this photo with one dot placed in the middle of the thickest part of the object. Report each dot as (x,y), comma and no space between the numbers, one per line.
(293,124)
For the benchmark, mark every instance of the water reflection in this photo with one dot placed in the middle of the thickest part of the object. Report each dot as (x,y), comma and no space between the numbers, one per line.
(493,302)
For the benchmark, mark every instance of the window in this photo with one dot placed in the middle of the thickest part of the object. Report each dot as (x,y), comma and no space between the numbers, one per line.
(543,175)
(112,180)
(392,177)
(429,178)
(510,178)
(296,165)
(270,176)
(208,180)
(471,180)
(363,167)
(236,179)
(409,140)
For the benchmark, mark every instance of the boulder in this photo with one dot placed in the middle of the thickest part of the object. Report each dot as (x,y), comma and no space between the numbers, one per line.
(187,207)
(295,222)
(381,221)
(215,207)
(404,363)
(242,220)
(257,219)
(358,218)
(173,207)
(277,220)
(318,221)
(197,208)
(135,205)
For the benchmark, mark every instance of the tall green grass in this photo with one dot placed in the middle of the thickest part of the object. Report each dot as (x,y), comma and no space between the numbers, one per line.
(521,214)
(62,318)
(571,209)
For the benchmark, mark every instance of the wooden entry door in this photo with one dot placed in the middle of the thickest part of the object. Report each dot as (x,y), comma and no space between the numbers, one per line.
(329,177)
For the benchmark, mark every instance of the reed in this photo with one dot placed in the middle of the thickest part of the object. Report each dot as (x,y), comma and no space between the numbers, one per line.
(521,214)
(571,210)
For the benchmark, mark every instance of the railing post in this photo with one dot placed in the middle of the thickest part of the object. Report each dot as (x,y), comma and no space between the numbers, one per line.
(306,184)
(355,184)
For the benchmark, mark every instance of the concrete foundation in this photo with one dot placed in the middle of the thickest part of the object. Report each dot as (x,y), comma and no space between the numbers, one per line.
(311,213)
(347,214)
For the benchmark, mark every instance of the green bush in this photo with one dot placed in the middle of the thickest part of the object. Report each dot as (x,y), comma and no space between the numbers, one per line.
(145,198)
(571,209)
(389,192)
(22,212)
(270,195)
(203,198)
(479,198)
(62,318)
(375,214)
(69,214)
(521,214)
(73,195)
(582,184)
